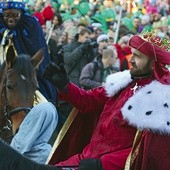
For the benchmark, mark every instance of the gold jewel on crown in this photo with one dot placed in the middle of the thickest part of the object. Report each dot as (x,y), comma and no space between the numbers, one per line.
(151,37)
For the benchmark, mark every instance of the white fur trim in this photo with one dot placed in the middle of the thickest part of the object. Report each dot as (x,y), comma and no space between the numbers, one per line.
(149,108)
(117,81)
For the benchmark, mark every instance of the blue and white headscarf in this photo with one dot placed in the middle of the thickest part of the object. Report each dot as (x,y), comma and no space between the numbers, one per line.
(12,4)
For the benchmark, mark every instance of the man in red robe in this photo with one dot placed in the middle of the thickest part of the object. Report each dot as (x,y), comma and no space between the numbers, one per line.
(113,136)
(133,127)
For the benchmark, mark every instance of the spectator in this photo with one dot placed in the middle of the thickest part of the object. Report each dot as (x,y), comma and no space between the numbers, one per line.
(145,23)
(56,50)
(77,54)
(136,23)
(94,73)
(35,131)
(102,41)
(123,50)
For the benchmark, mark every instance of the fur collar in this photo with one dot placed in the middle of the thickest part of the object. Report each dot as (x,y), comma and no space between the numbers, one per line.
(148,108)
(116,82)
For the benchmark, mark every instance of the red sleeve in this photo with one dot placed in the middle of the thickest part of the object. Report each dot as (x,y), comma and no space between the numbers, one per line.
(115,160)
(87,101)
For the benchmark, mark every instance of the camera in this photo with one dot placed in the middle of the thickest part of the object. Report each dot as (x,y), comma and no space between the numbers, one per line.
(91,44)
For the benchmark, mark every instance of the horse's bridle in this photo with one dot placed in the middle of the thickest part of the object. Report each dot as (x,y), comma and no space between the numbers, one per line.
(8,113)
(18,109)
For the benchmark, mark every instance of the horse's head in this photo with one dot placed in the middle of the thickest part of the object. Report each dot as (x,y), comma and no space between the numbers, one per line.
(18,83)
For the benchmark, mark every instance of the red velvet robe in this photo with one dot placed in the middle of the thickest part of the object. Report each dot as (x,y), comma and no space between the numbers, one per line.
(113,137)
(154,152)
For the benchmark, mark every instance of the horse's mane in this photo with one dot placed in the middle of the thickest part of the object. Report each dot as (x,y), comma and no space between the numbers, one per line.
(23,66)
(11,159)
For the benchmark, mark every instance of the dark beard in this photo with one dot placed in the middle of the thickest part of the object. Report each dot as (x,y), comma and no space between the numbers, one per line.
(141,76)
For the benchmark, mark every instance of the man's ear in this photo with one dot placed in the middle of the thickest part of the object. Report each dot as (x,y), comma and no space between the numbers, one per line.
(152,64)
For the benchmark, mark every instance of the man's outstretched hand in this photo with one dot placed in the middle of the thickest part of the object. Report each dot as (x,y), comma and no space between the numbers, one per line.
(57,75)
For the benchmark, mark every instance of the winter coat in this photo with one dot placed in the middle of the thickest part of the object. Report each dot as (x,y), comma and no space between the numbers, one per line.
(92,74)
(76,56)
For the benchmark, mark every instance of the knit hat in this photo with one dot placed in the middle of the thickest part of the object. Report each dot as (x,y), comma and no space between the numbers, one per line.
(102,37)
(156,47)
(13,4)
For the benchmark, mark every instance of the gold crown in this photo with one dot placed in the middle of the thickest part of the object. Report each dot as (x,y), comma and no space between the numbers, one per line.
(153,38)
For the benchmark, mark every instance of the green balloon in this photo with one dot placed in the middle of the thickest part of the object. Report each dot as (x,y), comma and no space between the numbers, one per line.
(108,14)
(137,14)
(66,16)
(54,5)
(54,1)
(70,2)
(127,22)
(98,17)
(168,20)
(148,28)
(84,8)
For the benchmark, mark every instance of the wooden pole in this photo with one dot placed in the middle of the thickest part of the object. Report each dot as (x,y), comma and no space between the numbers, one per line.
(118,23)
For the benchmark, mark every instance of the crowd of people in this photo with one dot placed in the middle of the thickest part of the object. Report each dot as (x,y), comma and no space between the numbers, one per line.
(115,81)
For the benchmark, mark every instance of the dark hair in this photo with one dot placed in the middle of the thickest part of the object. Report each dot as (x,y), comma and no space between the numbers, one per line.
(81,24)
(136,18)
(60,20)
(91,28)
(84,30)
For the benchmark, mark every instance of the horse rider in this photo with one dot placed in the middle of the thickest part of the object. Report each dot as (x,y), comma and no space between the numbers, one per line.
(24,33)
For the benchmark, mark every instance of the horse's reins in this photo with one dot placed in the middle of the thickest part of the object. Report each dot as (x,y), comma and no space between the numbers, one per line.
(19,109)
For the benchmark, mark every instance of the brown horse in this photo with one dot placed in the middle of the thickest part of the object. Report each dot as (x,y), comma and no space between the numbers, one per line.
(18,84)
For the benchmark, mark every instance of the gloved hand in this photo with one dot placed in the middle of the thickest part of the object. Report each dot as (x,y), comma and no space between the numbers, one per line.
(57,75)
(90,164)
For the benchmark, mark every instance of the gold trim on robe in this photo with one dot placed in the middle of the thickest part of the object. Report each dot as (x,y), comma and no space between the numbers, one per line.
(63,132)
(134,151)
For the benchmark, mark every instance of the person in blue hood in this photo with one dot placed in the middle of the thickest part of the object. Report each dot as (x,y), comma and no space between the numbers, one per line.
(24,33)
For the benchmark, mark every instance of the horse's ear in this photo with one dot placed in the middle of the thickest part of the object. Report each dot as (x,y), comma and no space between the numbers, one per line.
(2,68)
(37,58)
(10,56)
